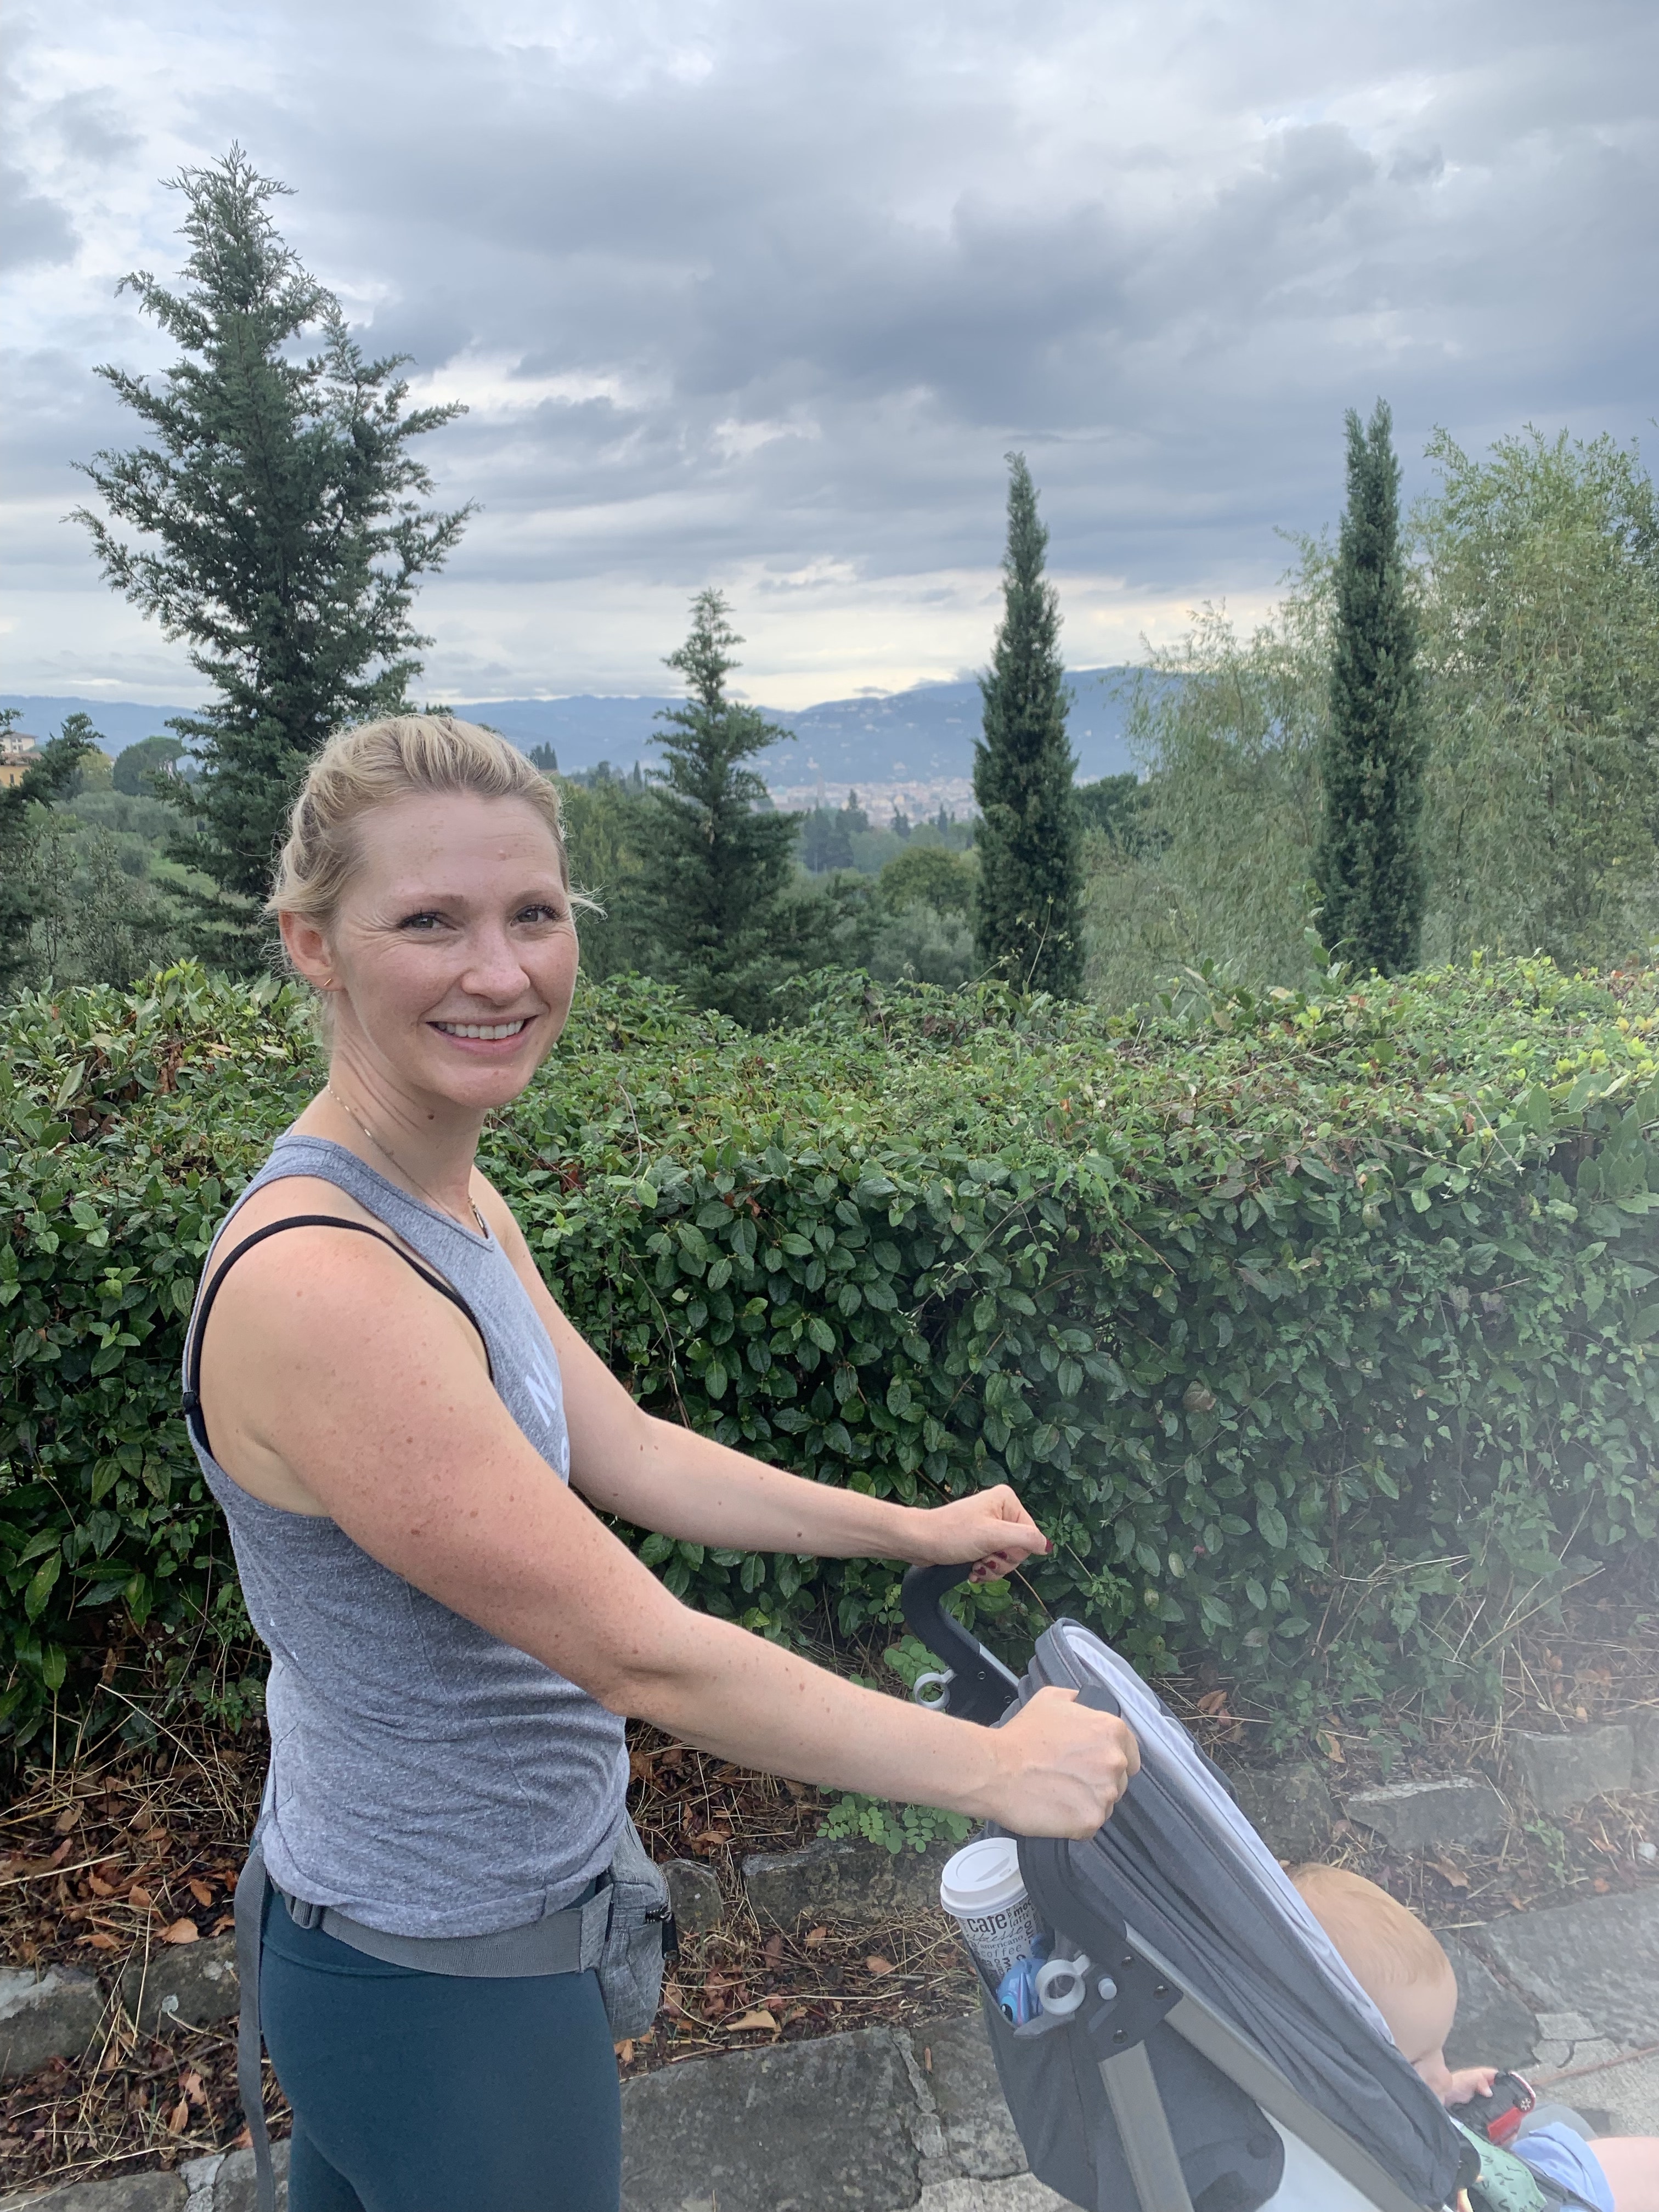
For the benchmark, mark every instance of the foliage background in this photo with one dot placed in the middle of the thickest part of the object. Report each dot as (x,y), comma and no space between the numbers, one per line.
(1316,1327)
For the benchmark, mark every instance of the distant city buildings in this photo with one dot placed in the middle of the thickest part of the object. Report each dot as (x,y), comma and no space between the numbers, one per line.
(918,798)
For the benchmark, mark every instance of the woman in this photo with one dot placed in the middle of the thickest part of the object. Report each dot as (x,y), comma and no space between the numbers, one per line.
(413,1446)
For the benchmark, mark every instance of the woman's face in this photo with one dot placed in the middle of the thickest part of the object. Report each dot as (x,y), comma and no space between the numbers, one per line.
(451,957)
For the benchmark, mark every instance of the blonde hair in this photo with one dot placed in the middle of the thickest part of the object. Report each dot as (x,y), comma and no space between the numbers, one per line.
(377,763)
(1383,1945)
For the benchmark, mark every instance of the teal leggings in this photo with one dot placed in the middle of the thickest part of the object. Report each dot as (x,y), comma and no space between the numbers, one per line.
(427,2092)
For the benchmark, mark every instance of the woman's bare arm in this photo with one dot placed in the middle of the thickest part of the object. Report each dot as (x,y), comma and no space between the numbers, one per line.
(399,1436)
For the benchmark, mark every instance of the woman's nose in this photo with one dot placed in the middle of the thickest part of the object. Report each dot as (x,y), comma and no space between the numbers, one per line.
(493,968)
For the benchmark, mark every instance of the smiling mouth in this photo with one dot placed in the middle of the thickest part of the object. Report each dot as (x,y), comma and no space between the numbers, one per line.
(489,1032)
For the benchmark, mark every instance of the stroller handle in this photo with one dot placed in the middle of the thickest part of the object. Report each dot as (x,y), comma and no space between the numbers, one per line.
(977,1687)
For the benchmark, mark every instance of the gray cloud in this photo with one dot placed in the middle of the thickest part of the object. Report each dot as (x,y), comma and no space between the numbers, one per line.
(776,290)
(35,227)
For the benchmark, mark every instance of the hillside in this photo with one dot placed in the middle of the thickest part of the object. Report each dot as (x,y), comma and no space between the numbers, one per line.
(925,734)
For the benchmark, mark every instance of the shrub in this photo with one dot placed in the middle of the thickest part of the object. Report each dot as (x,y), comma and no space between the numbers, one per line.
(1315,1329)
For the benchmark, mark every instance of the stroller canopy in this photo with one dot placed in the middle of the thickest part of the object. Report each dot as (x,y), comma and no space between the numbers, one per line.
(1181,1869)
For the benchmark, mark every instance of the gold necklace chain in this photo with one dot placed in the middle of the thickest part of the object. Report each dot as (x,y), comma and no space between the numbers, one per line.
(382,1147)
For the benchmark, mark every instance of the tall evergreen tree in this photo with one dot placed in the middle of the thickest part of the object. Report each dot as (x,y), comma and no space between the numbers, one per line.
(1368,863)
(1028,912)
(715,857)
(283,511)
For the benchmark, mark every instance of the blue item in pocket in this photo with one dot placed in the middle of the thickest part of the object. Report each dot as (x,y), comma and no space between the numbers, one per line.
(1016,1991)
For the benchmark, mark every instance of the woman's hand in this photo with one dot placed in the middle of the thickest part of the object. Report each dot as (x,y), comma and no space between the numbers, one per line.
(1062,1766)
(992,1528)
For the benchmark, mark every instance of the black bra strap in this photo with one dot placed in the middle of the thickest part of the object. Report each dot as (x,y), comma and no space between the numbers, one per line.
(193,1366)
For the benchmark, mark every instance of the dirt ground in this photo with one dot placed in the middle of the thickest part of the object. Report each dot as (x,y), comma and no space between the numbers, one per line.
(123,1848)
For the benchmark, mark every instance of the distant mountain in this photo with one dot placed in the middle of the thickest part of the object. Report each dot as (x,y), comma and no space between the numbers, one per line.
(925,733)
(118,721)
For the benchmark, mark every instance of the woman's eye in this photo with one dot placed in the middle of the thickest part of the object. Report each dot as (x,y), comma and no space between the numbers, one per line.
(428,919)
(542,914)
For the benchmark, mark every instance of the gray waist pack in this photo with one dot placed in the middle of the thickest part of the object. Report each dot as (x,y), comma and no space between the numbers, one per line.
(622,1932)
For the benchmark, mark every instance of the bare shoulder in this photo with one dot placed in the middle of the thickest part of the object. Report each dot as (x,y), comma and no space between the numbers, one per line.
(317,1277)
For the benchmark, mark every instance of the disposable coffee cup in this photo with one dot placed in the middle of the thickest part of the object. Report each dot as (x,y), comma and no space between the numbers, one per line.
(982,1890)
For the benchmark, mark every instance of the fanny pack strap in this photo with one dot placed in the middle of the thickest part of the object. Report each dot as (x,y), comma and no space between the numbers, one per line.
(250,1886)
(566,1942)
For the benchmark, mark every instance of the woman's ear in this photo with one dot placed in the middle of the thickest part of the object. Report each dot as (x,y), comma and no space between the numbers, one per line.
(306,946)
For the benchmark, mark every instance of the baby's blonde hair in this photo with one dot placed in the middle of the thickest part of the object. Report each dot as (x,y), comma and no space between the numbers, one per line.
(1384,1945)
(372,765)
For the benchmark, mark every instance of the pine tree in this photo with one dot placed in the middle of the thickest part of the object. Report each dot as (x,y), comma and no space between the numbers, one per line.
(716,857)
(283,512)
(1028,909)
(1368,863)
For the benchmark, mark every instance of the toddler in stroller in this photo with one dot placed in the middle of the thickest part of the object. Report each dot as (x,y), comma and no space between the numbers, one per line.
(1202,2044)
(1401,1967)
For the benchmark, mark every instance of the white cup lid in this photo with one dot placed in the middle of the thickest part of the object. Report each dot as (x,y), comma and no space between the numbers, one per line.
(983,1877)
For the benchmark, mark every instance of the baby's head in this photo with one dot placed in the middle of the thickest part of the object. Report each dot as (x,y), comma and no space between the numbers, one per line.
(1393,1957)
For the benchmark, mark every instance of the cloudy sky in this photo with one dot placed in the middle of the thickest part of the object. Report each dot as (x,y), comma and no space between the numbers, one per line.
(761,295)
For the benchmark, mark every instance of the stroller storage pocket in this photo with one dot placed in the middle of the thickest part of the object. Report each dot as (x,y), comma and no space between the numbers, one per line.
(1232,2155)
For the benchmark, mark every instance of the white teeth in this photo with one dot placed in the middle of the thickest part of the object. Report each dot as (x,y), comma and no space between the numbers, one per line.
(490,1030)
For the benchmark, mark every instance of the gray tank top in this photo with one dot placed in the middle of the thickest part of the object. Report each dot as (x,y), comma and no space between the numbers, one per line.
(426,1778)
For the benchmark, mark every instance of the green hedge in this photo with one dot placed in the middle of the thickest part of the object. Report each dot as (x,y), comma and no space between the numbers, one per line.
(1318,1332)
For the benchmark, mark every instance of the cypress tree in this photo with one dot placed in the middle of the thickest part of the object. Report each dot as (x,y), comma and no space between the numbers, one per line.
(715,856)
(1369,864)
(1028,908)
(282,511)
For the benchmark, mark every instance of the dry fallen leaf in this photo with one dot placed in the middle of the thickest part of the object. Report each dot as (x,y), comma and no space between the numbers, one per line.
(926,2057)
(773,1947)
(1212,1701)
(140,1896)
(624,2050)
(178,2116)
(100,1941)
(793,2013)
(814,1936)
(200,1891)
(68,1818)
(99,1888)
(756,2017)
(875,1964)
(1331,1747)
(1449,1873)
(182,1932)
(191,2085)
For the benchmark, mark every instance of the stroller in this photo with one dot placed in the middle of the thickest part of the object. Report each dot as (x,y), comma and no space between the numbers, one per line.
(1222,2058)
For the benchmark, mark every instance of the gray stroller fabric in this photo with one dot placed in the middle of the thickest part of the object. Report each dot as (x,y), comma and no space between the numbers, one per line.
(1182,1867)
